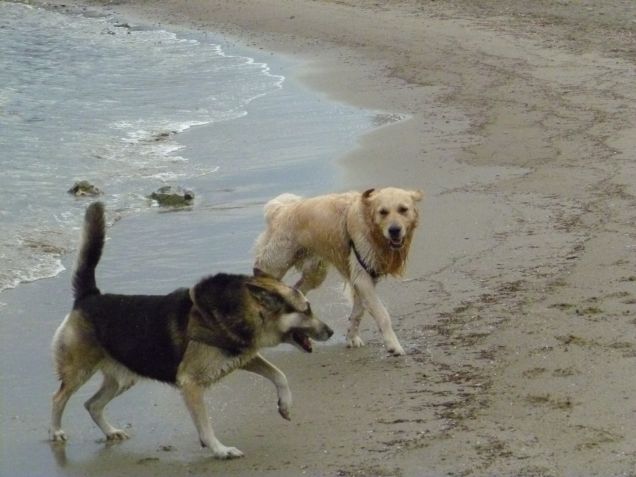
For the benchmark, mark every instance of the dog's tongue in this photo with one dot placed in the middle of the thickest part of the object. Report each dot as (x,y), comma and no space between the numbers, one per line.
(302,340)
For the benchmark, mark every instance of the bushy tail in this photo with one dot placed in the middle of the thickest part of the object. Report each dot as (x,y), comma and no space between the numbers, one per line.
(273,206)
(90,252)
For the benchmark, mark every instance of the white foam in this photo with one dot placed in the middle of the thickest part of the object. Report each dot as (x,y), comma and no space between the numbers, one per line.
(166,176)
(46,268)
(265,69)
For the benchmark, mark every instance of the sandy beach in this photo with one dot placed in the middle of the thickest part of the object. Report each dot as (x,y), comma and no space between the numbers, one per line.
(518,121)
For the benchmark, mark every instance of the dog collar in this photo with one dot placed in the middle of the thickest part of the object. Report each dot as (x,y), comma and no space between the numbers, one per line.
(372,273)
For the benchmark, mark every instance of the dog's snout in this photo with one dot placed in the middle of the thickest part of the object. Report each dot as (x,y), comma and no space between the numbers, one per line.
(325,333)
(395,231)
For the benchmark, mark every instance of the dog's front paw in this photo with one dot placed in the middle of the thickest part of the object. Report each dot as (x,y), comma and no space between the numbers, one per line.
(354,342)
(283,410)
(57,436)
(396,350)
(222,452)
(116,435)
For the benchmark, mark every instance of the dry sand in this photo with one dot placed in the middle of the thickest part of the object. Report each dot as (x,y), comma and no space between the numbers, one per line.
(518,309)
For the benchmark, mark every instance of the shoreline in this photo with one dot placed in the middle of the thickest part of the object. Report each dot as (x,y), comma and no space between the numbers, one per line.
(236,182)
(517,311)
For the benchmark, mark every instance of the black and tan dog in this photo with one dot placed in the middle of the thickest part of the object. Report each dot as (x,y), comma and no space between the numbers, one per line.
(189,338)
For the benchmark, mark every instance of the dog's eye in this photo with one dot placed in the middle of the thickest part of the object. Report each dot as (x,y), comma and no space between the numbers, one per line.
(403,210)
(383,212)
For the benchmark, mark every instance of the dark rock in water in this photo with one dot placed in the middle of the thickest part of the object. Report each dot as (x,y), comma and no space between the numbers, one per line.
(84,188)
(161,136)
(168,196)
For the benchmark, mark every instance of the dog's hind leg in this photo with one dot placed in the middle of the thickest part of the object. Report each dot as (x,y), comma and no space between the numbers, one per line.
(193,397)
(275,254)
(262,367)
(314,271)
(70,382)
(353,339)
(112,386)
(274,265)
(76,359)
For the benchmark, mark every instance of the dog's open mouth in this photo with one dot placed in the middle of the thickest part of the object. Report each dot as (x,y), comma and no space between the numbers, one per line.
(396,243)
(302,340)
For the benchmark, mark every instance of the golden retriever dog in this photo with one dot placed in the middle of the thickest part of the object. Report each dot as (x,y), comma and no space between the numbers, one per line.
(365,236)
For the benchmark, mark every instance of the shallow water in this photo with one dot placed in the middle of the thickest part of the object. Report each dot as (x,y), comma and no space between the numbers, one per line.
(130,109)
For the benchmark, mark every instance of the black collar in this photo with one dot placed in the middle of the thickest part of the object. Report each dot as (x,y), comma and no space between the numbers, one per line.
(372,273)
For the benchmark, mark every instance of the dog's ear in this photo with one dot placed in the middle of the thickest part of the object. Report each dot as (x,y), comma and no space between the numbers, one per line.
(367,194)
(417,195)
(216,295)
(267,298)
(223,319)
(258,273)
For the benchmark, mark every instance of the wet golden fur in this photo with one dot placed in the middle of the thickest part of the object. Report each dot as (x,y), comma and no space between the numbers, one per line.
(365,236)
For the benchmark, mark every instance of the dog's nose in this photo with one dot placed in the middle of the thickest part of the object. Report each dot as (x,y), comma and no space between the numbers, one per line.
(329,332)
(395,231)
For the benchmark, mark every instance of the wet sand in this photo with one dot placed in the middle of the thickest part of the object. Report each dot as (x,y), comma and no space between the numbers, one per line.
(517,311)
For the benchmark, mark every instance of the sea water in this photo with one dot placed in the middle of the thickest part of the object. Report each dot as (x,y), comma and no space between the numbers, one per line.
(132,108)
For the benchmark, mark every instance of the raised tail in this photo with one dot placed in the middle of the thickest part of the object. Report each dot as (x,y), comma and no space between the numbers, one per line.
(90,252)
